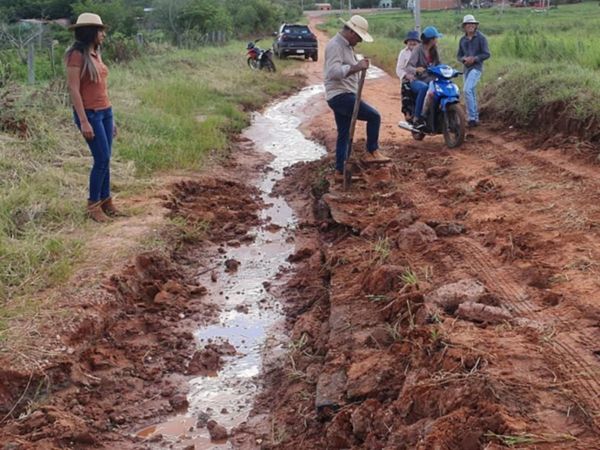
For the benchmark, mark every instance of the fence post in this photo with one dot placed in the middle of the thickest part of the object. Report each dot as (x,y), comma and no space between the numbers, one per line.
(31,62)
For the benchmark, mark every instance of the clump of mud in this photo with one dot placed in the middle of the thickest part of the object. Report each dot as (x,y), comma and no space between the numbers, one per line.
(394,344)
(129,343)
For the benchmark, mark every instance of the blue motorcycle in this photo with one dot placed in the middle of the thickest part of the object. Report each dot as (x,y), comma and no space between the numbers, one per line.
(445,115)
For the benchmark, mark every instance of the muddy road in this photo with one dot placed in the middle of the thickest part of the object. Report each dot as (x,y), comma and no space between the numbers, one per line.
(447,301)
(450,301)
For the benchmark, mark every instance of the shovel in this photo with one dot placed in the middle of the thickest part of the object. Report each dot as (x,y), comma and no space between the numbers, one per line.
(347,169)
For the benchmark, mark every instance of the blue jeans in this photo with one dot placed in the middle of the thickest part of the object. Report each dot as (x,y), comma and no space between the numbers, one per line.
(342,106)
(472,77)
(101,148)
(420,88)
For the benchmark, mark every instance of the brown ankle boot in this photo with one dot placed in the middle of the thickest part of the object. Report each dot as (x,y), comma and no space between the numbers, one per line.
(109,208)
(94,211)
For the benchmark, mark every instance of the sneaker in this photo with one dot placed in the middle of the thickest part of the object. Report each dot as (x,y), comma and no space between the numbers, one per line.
(419,124)
(376,157)
(338,177)
(473,123)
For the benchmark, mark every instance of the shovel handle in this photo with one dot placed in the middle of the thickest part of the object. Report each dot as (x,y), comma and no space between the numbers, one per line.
(347,174)
(361,83)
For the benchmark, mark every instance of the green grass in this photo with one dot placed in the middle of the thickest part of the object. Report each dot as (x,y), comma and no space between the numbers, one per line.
(540,61)
(172,109)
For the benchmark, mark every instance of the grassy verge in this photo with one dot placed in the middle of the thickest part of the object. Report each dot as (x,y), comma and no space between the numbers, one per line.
(171,109)
(544,66)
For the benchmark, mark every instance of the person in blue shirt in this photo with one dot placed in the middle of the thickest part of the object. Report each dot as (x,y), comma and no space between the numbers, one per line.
(473,50)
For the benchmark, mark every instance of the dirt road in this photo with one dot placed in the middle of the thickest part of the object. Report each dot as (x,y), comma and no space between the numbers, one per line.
(451,301)
(448,301)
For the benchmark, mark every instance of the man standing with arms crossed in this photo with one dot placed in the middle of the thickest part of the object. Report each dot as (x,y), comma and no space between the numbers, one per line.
(341,85)
(472,51)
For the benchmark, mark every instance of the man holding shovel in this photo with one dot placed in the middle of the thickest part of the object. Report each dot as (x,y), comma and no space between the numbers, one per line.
(342,78)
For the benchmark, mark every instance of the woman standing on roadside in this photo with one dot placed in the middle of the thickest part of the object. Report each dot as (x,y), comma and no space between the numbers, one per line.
(87,81)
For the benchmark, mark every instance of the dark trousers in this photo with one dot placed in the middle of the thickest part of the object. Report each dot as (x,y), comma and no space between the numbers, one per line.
(342,106)
(101,148)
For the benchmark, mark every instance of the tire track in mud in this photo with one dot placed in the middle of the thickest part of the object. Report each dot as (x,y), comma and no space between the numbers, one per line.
(495,277)
(572,356)
(584,380)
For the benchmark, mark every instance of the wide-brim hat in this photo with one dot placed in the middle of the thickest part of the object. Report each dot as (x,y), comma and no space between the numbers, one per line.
(469,18)
(88,20)
(360,26)
(412,36)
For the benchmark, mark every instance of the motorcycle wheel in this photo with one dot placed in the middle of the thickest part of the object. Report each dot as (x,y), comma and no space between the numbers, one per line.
(253,64)
(269,65)
(454,125)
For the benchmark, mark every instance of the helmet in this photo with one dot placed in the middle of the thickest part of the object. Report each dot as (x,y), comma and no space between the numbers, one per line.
(431,33)
(250,45)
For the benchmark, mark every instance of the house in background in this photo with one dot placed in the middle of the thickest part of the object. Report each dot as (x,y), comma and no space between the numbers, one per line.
(385,3)
(434,5)
(323,6)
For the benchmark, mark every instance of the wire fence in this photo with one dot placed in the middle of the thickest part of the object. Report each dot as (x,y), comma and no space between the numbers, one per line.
(32,51)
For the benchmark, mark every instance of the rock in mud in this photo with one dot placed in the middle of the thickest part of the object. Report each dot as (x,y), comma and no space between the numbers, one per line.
(232,265)
(217,432)
(198,290)
(403,220)
(321,211)
(478,312)
(415,235)
(445,229)
(202,419)
(437,172)
(383,279)
(330,390)
(179,402)
(450,296)
(302,254)
(369,374)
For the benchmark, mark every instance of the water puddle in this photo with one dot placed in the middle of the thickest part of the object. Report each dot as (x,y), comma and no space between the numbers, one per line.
(251,318)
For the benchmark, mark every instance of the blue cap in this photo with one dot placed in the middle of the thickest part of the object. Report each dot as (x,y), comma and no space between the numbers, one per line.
(412,36)
(431,33)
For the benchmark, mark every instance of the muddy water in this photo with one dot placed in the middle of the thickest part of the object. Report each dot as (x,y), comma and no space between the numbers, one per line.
(251,319)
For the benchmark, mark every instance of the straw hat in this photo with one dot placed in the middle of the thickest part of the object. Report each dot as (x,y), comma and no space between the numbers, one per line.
(88,20)
(360,26)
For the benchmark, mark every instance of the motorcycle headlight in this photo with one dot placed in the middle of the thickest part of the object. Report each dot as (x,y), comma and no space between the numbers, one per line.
(447,72)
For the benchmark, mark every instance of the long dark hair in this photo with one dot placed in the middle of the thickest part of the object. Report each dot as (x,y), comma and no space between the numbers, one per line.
(433,51)
(85,41)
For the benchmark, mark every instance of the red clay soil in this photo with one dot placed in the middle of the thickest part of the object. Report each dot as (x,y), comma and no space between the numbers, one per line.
(129,347)
(450,300)
(447,301)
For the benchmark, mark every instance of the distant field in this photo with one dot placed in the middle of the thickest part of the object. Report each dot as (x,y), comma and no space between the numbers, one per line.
(540,60)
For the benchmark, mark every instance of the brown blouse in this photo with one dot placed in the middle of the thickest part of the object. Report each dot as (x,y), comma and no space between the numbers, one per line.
(94,95)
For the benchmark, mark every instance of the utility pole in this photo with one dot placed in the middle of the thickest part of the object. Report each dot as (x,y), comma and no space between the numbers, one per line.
(417,13)
(350,6)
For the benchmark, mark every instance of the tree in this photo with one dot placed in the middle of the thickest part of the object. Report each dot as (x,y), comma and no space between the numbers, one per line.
(119,15)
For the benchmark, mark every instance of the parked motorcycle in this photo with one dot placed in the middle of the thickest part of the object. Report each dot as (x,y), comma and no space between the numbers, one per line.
(258,58)
(445,115)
